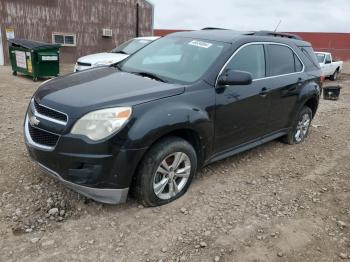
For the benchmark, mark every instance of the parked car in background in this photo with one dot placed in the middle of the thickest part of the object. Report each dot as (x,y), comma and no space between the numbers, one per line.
(180,103)
(330,68)
(117,54)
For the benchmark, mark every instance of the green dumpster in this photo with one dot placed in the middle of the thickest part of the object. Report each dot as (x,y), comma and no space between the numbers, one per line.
(36,59)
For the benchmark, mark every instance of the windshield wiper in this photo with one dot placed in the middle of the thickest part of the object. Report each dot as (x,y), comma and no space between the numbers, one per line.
(150,75)
(121,52)
(117,65)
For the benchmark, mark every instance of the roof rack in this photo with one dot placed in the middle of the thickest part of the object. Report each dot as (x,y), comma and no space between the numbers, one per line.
(213,28)
(276,34)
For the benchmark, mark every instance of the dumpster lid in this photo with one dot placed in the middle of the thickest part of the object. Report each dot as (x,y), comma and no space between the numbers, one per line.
(31,44)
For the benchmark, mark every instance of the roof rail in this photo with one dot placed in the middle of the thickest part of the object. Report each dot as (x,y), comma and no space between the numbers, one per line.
(277,34)
(213,28)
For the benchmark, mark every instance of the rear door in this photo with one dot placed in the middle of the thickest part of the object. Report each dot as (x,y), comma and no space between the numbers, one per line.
(285,70)
(242,110)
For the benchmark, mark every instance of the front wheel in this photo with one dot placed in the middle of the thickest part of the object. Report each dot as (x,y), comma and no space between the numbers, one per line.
(300,128)
(165,172)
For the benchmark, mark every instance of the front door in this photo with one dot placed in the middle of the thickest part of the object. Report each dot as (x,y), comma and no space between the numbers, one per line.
(242,110)
(1,51)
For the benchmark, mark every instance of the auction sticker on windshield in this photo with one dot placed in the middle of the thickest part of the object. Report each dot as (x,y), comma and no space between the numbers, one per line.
(200,44)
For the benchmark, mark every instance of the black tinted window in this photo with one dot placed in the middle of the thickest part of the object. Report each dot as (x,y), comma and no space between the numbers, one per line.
(250,59)
(281,59)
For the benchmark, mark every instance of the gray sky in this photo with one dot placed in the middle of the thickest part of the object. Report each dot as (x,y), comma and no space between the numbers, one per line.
(296,15)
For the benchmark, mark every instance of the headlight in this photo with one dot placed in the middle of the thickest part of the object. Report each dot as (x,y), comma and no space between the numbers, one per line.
(99,124)
(103,63)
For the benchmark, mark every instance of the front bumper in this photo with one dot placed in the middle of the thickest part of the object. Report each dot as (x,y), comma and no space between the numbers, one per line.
(104,195)
(102,171)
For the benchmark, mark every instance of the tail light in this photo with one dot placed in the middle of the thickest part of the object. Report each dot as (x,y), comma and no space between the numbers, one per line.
(322,79)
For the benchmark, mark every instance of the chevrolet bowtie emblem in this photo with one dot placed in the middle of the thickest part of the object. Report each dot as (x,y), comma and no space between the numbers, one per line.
(34,121)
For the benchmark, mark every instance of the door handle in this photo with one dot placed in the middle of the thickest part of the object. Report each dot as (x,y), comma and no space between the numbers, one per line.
(264,91)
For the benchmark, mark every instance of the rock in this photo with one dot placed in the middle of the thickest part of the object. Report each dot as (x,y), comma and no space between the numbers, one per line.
(207,233)
(343,256)
(183,258)
(18,212)
(203,244)
(28,230)
(62,212)
(48,243)
(280,254)
(91,241)
(216,259)
(164,249)
(341,224)
(53,211)
(34,240)
(184,210)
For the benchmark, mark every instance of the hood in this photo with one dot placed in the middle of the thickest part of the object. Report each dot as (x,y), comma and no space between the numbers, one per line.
(79,93)
(101,57)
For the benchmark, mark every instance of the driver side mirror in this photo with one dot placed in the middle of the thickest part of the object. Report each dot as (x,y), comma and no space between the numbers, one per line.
(235,77)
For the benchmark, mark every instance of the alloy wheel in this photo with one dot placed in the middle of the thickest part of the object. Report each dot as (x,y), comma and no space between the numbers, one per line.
(172,175)
(302,127)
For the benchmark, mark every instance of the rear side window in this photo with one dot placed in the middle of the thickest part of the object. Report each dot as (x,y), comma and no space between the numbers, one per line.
(282,60)
(249,59)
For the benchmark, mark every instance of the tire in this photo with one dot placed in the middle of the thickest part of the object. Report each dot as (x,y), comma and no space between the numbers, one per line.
(153,183)
(334,77)
(300,128)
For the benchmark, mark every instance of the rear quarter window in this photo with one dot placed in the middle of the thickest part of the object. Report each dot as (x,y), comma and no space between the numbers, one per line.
(310,55)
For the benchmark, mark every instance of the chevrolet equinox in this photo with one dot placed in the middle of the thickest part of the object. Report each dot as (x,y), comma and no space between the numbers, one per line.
(184,101)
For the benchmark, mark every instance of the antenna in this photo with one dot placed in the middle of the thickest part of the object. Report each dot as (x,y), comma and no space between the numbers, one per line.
(278,25)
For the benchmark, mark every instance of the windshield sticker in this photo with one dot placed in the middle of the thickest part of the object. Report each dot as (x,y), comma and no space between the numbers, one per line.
(200,44)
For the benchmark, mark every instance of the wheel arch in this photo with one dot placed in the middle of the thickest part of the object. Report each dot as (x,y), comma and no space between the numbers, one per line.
(312,103)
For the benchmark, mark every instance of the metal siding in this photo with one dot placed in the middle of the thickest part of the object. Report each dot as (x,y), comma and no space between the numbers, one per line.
(38,19)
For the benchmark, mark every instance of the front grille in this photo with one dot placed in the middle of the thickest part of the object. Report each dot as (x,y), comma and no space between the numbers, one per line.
(42,137)
(83,64)
(50,112)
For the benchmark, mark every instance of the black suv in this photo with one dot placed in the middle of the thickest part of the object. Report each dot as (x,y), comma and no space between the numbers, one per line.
(182,102)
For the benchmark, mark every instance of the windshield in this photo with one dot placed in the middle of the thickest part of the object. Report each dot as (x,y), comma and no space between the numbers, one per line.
(320,57)
(179,59)
(131,46)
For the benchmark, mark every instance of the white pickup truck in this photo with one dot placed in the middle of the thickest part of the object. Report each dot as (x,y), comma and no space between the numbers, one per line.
(329,67)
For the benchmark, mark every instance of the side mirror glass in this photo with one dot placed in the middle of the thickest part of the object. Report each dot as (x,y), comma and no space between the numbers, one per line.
(235,77)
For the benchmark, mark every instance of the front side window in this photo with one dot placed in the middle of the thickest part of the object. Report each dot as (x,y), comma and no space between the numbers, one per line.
(328,59)
(250,59)
(175,59)
(282,60)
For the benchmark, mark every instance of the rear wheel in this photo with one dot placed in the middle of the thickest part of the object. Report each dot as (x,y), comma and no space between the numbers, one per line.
(165,172)
(301,127)
(334,76)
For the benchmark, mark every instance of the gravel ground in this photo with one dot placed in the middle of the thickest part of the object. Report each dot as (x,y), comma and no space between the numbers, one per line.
(273,203)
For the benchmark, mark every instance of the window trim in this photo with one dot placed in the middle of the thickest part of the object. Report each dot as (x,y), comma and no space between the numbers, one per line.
(64,35)
(261,43)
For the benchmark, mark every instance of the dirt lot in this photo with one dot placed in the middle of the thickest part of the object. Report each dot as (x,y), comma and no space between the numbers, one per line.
(272,203)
